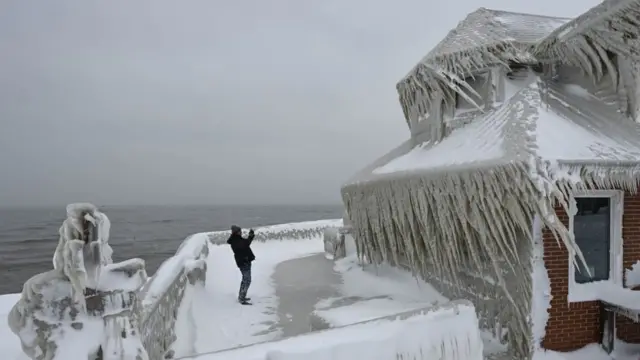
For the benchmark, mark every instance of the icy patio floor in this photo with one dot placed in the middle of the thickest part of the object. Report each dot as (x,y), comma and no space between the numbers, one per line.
(295,290)
(299,285)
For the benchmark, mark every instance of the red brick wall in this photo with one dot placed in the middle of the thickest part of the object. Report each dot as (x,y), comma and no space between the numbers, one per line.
(571,325)
(574,325)
(626,329)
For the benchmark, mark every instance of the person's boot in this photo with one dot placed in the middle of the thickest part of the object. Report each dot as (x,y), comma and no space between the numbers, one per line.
(245,301)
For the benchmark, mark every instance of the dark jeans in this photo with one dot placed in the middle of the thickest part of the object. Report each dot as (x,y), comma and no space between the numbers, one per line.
(246,281)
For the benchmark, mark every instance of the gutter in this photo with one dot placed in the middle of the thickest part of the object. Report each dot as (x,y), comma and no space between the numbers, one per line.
(622,163)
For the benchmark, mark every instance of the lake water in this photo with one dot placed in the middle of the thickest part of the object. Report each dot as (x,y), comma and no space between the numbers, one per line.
(29,236)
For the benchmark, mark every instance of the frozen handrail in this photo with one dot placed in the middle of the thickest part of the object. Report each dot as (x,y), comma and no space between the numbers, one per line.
(296,231)
(164,293)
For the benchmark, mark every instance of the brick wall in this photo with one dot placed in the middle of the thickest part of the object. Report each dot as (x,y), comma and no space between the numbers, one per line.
(574,325)
(626,329)
(571,325)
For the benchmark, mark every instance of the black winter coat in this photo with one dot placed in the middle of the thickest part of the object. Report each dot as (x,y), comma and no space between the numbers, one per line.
(241,249)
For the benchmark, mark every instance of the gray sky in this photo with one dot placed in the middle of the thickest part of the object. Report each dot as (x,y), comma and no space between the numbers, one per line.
(208,101)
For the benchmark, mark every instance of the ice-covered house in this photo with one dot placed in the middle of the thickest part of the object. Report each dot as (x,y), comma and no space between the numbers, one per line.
(522,167)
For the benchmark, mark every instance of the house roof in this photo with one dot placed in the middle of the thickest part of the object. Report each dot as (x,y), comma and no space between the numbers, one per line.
(485,28)
(485,37)
(566,127)
(611,27)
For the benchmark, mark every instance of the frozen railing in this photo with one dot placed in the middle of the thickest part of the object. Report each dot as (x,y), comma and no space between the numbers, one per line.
(296,231)
(445,332)
(164,293)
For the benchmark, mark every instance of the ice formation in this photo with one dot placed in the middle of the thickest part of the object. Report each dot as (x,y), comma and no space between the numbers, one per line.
(541,288)
(83,248)
(462,198)
(333,248)
(632,276)
(86,307)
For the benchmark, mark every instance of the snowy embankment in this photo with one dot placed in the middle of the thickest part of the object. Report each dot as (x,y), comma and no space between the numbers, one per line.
(448,332)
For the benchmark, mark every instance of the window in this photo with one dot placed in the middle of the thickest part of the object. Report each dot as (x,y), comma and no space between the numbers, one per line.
(517,71)
(596,223)
(592,231)
(479,83)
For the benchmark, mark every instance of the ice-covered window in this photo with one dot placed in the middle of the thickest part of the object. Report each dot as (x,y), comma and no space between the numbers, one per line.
(596,223)
(480,84)
(592,231)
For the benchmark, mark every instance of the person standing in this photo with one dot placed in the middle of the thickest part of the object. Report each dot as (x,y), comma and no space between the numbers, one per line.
(244,256)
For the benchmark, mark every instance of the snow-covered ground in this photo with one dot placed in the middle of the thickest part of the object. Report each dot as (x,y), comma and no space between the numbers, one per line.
(448,332)
(228,324)
(374,291)
(361,294)
(9,343)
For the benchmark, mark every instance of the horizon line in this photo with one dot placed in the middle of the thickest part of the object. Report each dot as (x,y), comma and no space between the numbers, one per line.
(31,206)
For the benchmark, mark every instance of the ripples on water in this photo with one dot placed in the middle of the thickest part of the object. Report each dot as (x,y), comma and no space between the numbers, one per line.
(28,237)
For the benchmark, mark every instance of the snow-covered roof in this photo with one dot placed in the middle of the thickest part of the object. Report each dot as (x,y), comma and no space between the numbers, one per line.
(611,25)
(566,127)
(485,28)
(487,145)
(485,37)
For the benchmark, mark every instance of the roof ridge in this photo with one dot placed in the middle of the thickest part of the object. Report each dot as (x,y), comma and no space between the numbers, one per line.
(498,11)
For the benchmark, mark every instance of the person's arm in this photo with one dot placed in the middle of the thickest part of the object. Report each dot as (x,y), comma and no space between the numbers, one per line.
(251,236)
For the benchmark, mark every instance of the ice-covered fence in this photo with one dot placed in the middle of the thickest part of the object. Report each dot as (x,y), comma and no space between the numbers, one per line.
(296,231)
(446,332)
(164,293)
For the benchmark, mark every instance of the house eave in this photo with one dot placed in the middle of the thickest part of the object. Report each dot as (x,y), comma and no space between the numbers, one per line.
(584,22)
(432,174)
(601,163)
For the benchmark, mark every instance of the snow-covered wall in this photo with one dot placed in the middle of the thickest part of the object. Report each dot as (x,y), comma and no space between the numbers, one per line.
(164,296)
(447,332)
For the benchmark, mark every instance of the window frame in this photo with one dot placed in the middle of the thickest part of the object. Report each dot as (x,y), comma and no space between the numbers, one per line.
(580,292)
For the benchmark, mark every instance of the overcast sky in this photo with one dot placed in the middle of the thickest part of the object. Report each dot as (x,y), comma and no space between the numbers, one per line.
(208,101)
